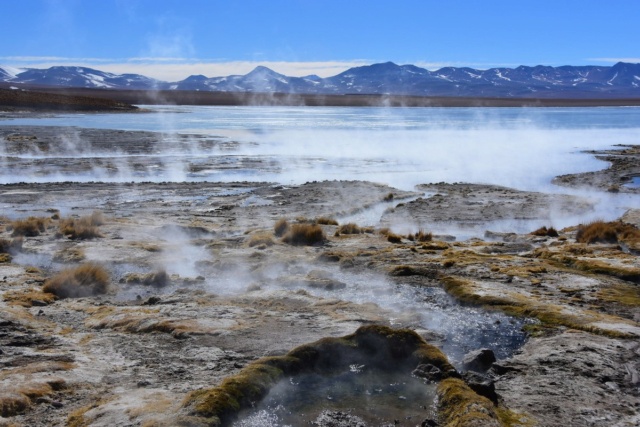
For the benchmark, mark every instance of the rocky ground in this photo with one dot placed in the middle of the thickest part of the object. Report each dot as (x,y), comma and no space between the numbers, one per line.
(234,292)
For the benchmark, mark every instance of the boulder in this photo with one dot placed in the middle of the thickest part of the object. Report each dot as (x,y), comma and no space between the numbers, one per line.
(478,360)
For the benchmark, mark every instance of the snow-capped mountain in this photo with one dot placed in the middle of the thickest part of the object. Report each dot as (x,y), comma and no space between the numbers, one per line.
(620,80)
(80,77)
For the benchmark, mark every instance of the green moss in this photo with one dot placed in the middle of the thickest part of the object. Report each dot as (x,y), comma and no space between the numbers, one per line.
(460,406)
(509,418)
(375,345)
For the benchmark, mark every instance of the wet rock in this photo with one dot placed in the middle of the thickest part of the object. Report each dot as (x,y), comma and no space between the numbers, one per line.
(152,301)
(481,384)
(428,372)
(478,360)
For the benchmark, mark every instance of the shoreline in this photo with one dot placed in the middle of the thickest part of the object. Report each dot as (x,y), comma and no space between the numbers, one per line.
(165,97)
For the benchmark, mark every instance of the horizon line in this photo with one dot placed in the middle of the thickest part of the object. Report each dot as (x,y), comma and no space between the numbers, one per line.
(178,69)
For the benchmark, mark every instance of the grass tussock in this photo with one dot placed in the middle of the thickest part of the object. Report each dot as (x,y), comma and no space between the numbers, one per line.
(326,221)
(82,228)
(421,236)
(350,228)
(388,198)
(545,232)
(11,246)
(12,404)
(281,227)
(304,235)
(261,240)
(608,232)
(69,255)
(391,237)
(17,400)
(30,227)
(158,279)
(83,281)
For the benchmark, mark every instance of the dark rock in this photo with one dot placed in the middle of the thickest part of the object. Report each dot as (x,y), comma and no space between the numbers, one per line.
(152,301)
(481,384)
(429,423)
(38,303)
(428,372)
(478,360)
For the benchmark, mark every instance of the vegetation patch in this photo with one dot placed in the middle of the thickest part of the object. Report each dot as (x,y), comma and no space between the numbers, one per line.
(326,221)
(624,294)
(261,239)
(11,246)
(28,298)
(350,228)
(459,406)
(378,346)
(281,227)
(421,236)
(545,232)
(157,279)
(83,281)
(608,232)
(304,235)
(631,274)
(549,314)
(29,227)
(18,399)
(70,255)
(82,228)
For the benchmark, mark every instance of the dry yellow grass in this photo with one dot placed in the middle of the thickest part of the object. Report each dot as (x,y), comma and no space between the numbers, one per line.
(544,231)
(82,228)
(29,227)
(261,239)
(156,279)
(83,281)
(326,221)
(281,227)
(608,232)
(304,234)
(26,297)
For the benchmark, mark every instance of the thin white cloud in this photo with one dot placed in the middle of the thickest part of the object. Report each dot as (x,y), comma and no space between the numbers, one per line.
(615,60)
(178,68)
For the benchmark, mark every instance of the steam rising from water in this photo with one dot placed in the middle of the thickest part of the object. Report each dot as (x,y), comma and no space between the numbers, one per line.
(522,148)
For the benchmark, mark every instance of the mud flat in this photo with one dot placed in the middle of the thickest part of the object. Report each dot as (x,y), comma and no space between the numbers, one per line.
(622,175)
(206,305)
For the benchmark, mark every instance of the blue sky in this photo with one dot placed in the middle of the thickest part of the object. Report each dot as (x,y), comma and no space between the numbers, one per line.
(172,39)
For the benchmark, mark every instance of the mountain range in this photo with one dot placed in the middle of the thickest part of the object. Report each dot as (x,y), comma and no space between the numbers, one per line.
(621,80)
